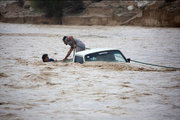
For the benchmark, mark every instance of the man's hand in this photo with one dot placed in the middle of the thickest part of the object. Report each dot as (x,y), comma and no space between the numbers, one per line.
(64,60)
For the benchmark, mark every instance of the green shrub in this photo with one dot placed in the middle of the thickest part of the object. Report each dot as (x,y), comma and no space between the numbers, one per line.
(56,7)
(50,7)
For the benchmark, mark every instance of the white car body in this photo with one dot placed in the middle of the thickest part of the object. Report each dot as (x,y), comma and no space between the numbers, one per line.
(87,55)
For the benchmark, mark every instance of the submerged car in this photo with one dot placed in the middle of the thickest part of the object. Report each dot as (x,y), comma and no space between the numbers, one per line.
(100,54)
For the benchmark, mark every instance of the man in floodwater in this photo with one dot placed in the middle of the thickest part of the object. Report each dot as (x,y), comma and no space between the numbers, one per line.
(45,58)
(75,44)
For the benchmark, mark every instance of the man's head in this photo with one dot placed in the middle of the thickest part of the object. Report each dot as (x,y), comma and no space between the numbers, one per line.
(65,38)
(45,58)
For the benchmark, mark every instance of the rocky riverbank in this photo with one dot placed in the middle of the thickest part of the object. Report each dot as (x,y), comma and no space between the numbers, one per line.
(160,14)
(104,12)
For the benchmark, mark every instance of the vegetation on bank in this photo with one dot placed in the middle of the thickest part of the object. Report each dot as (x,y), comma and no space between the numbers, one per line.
(57,7)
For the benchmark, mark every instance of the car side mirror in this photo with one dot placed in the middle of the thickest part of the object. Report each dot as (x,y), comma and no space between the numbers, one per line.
(128,60)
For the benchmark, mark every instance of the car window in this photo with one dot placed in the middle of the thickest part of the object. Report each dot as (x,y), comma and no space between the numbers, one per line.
(78,59)
(119,57)
(109,56)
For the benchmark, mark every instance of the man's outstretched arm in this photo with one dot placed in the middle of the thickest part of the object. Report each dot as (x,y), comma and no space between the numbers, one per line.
(69,52)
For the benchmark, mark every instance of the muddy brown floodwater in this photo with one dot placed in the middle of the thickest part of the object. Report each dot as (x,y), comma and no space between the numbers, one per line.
(31,89)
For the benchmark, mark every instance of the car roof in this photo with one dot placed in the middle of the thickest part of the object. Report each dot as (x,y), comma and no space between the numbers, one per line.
(93,50)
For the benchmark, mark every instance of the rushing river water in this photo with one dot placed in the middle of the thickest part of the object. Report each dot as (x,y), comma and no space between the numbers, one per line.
(31,89)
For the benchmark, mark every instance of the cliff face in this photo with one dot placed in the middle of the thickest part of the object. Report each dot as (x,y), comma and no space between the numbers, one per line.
(160,14)
(101,12)
(104,12)
(143,13)
(11,11)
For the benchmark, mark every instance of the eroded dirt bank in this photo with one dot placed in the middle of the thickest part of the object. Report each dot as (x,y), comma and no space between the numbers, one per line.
(105,12)
(160,14)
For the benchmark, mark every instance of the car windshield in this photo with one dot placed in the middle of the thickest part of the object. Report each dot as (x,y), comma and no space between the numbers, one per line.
(108,56)
(78,59)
